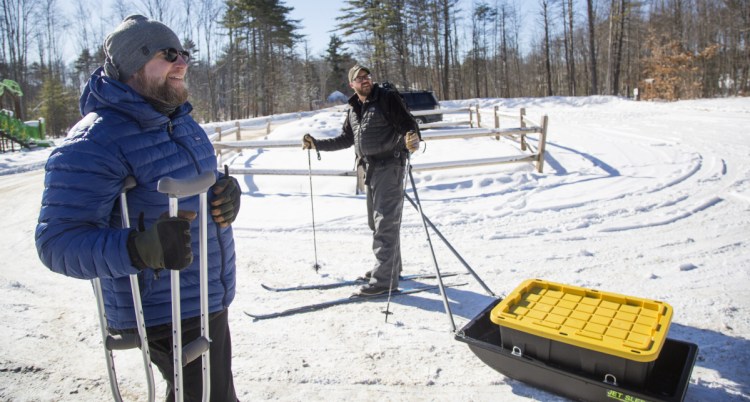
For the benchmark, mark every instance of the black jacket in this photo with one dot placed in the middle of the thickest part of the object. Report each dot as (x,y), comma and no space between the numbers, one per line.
(375,128)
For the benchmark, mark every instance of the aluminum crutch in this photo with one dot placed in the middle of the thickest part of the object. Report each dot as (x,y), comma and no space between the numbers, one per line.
(124,341)
(175,189)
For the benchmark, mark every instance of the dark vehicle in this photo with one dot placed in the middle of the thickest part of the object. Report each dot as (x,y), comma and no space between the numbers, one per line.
(418,101)
(422,100)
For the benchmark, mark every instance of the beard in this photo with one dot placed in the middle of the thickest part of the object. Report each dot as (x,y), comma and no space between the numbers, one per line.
(363,91)
(159,93)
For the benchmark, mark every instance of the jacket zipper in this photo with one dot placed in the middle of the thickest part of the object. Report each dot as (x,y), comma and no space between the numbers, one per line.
(197,165)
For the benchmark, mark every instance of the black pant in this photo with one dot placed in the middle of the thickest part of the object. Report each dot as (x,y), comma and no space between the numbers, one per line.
(222,384)
(385,204)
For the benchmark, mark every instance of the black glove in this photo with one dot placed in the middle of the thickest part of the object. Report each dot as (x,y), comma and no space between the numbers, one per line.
(308,142)
(226,205)
(166,244)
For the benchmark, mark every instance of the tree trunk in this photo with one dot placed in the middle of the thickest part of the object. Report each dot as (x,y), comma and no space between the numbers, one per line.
(547,61)
(592,49)
(572,59)
(617,59)
(446,48)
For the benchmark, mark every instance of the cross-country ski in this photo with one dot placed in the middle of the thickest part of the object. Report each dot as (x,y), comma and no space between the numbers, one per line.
(344,300)
(358,281)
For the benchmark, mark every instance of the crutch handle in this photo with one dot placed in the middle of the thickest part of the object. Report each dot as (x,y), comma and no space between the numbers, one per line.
(128,184)
(195,349)
(186,187)
(122,342)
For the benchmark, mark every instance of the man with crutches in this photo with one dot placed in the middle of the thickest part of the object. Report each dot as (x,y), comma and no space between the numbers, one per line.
(136,123)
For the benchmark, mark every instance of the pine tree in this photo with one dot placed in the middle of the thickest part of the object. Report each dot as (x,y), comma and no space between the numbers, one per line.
(59,107)
(339,61)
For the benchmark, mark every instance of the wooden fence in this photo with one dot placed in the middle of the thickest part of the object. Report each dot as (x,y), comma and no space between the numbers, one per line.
(477,128)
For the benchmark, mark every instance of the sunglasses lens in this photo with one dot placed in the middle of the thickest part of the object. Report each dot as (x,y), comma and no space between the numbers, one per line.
(171,55)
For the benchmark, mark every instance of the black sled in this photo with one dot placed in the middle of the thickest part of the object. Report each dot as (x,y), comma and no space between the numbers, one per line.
(667,381)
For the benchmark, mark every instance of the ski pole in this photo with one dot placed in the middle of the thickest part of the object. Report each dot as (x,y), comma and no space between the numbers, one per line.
(432,250)
(175,189)
(453,250)
(312,207)
(387,311)
(124,341)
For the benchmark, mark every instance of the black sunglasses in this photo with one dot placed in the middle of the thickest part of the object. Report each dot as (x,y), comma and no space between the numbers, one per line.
(170,54)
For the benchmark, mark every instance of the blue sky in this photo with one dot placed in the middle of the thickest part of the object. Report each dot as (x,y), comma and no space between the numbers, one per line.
(317,18)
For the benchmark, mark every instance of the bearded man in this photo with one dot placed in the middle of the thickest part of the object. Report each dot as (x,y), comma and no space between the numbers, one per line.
(136,123)
(383,132)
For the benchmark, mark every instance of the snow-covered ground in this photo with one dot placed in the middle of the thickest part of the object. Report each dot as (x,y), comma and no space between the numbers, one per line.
(645,199)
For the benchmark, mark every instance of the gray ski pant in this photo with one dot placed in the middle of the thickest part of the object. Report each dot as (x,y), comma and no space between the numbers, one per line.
(385,201)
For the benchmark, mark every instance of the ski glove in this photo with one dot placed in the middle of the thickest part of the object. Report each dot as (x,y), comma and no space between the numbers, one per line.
(412,141)
(226,205)
(308,142)
(166,244)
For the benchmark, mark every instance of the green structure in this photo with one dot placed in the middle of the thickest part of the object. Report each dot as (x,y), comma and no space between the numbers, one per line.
(14,131)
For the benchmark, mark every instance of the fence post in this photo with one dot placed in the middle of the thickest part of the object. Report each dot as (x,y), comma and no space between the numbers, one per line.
(523,125)
(542,143)
(239,133)
(497,121)
(217,130)
(268,126)
(479,118)
(471,117)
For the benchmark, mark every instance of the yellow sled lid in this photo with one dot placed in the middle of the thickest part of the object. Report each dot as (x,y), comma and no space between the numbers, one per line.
(624,326)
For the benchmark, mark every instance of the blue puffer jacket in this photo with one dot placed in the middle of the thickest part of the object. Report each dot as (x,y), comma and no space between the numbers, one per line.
(79,231)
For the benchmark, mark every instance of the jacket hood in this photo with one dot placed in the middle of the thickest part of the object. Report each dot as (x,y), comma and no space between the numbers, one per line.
(102,92)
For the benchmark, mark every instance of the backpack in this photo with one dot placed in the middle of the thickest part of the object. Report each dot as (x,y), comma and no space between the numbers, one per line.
(381,100)
(390,87)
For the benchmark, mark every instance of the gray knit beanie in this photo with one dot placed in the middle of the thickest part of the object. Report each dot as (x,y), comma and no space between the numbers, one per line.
(133,43)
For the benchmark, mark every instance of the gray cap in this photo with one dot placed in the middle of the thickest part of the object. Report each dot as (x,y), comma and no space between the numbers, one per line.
(133,43)
(355,70)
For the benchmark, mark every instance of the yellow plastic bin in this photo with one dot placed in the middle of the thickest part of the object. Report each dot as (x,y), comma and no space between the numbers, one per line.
(612,337)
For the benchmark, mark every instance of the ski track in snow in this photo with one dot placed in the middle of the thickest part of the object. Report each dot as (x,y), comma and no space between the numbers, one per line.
(645,199)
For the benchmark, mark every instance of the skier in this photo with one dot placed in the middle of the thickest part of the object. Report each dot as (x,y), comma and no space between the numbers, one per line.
(382,131)
(136,122)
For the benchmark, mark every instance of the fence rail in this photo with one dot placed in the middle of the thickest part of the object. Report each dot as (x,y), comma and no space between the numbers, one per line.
(518,134)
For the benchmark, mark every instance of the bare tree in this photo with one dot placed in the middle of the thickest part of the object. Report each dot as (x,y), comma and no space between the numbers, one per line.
(51,22)
(481,14)
(121,9)
(592,47)
(244,56)
(208,14)
(447,7)
(618,17)
(544,4)
(503,19)
(567,13)
(17,28)
(83,16)
(159,10)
